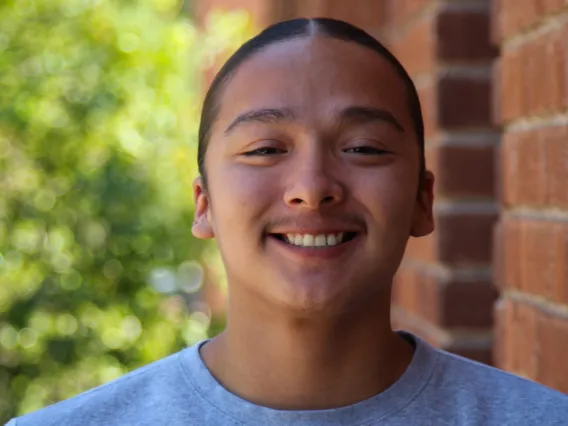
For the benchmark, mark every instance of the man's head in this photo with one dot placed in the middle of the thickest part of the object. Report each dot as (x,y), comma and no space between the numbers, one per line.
(312,134)
(289,30)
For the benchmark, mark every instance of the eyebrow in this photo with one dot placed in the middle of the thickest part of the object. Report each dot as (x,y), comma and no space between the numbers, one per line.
(360,114)
(363,114)
(264,115)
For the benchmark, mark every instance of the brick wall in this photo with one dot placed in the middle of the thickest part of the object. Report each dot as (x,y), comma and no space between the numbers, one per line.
(444,290)
(532,235)
(493,80)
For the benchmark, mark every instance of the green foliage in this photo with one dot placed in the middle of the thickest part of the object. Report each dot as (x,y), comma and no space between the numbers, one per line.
(98,119)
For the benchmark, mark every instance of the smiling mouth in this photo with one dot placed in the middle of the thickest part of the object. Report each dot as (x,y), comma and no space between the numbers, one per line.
(315,241)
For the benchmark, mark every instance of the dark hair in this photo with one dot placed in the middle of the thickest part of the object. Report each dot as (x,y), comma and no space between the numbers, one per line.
(292,29)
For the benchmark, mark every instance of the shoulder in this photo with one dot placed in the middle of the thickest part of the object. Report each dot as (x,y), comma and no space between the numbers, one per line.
(499,393)
(131,399)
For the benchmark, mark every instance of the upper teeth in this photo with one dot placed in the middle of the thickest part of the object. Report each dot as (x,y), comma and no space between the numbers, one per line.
(320,240)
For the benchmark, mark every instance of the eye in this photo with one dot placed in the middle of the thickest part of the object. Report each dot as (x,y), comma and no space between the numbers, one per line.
(366,150)
(264,152)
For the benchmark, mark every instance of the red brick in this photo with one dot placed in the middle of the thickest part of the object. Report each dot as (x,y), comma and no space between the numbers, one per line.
(366,14)
(533,257)
(530,174)
(526,66)
(464,102)
(516,344)
(415,46)
(532,12)
(496,22)
(497,90)
(423,249)
(465,238)
(429,101)
(468,304)
(547,56)
(508,187)
(562,47)
(561,281)
(498,261)
(498,169)
(522,348)
(557,71)
(402,11)
(501,334)
(404,292)
(483,355)
(553,347)
(537,87)
(507,19)
(520,16)
(456,344)
(431,154)
(510,255)
(539,257)
(465,171)
(444,301)
(551,6)
(532,342)
(459,239)
(555,143)
(464,35)
(512,98)
(310,8)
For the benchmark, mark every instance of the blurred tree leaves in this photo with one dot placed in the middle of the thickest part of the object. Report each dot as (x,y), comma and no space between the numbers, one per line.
(99,105)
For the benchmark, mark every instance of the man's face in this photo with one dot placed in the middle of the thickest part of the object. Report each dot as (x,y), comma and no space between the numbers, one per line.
(313,174)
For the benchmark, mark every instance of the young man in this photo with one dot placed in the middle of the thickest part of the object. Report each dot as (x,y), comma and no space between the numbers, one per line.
(312,180)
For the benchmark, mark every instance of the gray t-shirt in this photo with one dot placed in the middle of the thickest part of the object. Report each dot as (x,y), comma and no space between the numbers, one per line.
(437,388)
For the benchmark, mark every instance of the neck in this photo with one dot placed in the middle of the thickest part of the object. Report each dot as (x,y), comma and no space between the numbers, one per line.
(276,360)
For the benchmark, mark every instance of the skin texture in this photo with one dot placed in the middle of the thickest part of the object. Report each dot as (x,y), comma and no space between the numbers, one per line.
(336,152)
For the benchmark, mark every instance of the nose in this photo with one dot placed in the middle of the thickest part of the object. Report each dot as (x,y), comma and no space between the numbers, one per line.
(313,185)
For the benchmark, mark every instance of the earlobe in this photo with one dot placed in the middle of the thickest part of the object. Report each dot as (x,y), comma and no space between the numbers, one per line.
(423,220)
(201,228)
(422,229)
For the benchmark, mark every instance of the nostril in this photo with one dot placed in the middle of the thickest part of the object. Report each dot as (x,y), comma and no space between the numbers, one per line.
(328,199)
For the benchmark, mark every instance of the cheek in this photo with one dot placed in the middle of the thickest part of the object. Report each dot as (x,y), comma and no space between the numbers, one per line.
(392,189)
(240,199)
(390,194)
(390,199)
(246,189)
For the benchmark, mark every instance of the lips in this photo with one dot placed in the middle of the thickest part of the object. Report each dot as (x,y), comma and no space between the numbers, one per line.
(314,236)
(320,240)
(312,252)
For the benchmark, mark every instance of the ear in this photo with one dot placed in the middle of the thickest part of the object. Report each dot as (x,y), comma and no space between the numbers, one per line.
(202,227)
(423,219)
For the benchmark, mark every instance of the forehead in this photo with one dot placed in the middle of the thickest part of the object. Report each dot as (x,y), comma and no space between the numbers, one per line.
(314,76)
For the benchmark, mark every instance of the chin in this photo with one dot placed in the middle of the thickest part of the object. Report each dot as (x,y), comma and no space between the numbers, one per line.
(317,298)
